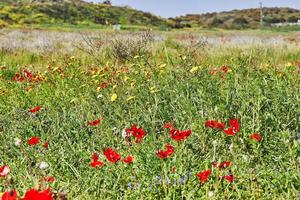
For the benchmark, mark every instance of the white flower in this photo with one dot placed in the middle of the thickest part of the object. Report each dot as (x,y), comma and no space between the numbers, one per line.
(43,165)
(18,142)
(99,96)
(124,134)
(210,194)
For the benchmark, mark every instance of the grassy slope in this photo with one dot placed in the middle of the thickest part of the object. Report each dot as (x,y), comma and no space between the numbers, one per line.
(246,18)
(80,13)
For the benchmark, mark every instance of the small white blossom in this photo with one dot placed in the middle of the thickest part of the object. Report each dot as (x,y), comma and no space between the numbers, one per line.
(18,142)
(124,134)
(210,194)
(43,165)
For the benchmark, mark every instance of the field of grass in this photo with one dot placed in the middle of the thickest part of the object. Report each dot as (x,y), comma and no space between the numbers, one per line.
(79,102)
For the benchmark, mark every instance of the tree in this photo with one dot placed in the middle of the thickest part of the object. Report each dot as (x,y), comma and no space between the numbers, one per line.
(107,2)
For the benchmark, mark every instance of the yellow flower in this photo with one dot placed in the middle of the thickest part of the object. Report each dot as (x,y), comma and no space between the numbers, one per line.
(194,69)
(113,97)
(289,64)
(162,65)
(126,78)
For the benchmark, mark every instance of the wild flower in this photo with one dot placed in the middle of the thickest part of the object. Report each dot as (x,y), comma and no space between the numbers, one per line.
(233,129)
(229,178)
(129,159)
(46,145)
(255,136)
(215,124)
(49,179)
(33,141)
(94,122)
(95,161)
(180,135)
(203,176)
(136,132)
(43,165)
(35,109)
(34,194)
(113,97)
(221,165)
(10,195)
(4,170)
(111,155)
(17,142)
(168,152)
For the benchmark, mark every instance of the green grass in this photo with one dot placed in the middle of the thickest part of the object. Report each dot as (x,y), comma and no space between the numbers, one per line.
(261,90)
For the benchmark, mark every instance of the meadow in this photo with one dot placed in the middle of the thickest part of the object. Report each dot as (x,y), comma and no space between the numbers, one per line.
(149,115)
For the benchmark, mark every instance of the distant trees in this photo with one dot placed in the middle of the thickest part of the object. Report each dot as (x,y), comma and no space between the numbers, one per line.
(107,2)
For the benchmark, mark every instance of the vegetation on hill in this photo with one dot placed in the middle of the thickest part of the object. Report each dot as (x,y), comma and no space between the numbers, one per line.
(78,12)
(72,12)
(238,19)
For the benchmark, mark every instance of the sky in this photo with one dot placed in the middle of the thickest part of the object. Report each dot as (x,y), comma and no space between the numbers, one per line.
(172,8)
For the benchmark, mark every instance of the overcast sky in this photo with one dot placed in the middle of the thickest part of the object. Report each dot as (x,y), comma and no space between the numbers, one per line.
(172,8)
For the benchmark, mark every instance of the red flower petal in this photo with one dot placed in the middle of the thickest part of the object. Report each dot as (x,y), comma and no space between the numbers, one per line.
(94,123)
(95,161)
(214,124)
(35,109)
(203,176)
(136,132)
(255,136)
(128,159)
(229,178)
(168,152)
(33,141)
(34,194)
(10,195)
(111,155)
(4,170)
(46,145)
(49,179)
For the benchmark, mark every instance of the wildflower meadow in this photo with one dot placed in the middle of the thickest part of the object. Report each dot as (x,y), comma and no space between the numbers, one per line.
(151,115)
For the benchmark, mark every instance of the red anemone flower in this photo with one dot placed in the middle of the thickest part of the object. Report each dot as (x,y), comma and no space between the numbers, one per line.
(169,125)
(49,179)
(128,159)
(46,145)
(234,127)
(111,155)
(34,194)
(138,133)
(229,178)
(224,68)
(203,176)
(18,78)
(221,165)
(28,74)
(255,136)
(214,124)
(94,123)
(10,195)
(95,161)
(164,154)
(35,109)
(180,135)
(4,170)
(33,141)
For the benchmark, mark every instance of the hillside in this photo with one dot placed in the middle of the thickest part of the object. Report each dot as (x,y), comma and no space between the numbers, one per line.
(28,12)
(237,19)
(78,12)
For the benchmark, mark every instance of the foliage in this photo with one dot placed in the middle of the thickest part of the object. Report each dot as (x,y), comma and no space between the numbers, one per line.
(67,120)
(237,19)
